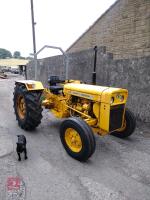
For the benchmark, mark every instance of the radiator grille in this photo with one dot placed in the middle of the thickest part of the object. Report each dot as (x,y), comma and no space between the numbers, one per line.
(116,117)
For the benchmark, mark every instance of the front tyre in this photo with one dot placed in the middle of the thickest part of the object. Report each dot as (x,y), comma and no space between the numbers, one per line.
(27,107)
(77,138)
(130,124)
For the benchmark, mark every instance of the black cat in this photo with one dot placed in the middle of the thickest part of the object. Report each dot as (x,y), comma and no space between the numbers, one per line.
(21,146)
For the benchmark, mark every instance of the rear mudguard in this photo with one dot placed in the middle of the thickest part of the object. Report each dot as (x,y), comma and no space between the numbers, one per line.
(31,85)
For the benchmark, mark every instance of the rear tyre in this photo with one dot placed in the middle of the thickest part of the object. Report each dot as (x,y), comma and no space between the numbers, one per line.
(130,124)
(27,107)
(77,138)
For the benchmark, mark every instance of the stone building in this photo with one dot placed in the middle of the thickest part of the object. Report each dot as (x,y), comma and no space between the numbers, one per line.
(122,35)
(124,29)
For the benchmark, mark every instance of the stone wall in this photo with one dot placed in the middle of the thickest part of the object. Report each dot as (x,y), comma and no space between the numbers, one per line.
(48,66)
(133,74)
(124,29)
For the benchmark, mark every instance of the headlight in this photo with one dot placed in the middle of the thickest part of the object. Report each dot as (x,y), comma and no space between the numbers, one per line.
(120,97)
(112,100)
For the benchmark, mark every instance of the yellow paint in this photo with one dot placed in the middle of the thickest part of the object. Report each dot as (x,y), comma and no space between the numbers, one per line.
(32,85)
(87,89)
(96,110)
(104,117)
(114,92)
(73,140)
(102,97)
(81,113)
(99,131)
(96,93)
(56,113)
(123,126)
(21,107)
(99,97)
(91,121)
(91,92)
(72,81)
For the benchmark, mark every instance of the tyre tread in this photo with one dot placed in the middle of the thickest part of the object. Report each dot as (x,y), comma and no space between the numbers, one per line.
(33,106)
(86,132)
(130,126)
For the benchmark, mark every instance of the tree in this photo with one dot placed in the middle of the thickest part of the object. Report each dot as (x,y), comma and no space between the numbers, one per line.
(17,54)
(4,53)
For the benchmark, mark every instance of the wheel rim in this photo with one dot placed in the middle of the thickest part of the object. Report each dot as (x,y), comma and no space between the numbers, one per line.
(21,106)
(73,140)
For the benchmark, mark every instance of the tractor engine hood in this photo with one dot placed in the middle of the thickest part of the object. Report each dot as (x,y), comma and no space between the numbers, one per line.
(96,93)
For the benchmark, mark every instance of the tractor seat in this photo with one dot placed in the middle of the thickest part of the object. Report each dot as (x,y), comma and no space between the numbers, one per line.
(55,88)
(54,84)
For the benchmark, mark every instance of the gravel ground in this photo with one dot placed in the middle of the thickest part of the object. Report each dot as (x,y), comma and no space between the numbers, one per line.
(118,170)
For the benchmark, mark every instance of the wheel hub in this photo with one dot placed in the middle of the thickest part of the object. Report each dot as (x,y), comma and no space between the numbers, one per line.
(21,106)
(73,140)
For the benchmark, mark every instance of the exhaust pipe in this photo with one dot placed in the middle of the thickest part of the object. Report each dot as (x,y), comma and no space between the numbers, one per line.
(95,62)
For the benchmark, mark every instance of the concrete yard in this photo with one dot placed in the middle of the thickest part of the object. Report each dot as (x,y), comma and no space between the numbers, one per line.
(118,170)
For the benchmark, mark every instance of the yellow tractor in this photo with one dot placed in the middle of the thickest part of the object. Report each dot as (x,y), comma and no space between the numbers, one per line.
(86,109)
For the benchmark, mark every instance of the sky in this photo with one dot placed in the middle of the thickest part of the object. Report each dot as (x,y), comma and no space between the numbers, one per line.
(58,23)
